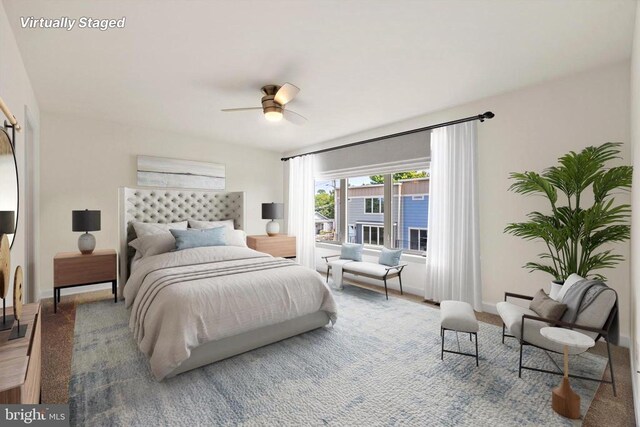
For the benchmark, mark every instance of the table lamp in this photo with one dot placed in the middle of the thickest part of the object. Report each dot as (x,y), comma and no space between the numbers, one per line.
(7,226)
(86,221)
(273,211)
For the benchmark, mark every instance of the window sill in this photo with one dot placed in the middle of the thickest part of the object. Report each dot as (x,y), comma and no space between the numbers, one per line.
(414,258)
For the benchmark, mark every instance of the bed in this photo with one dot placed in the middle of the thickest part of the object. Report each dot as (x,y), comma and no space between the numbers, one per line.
(196,306)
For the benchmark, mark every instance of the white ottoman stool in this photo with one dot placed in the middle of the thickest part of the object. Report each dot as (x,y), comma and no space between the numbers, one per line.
(458,316)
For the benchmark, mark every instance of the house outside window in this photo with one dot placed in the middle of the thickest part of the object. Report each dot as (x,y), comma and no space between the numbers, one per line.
(373,235)
(374,205)
(418,239)
(366,216)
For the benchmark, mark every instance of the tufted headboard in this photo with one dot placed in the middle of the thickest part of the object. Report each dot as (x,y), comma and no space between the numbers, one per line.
(172,205)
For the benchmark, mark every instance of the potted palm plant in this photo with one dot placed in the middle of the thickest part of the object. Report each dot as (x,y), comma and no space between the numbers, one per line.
(584,218)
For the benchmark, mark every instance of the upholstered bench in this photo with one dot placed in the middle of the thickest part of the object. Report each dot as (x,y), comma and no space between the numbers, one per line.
(367,269)
(458,316)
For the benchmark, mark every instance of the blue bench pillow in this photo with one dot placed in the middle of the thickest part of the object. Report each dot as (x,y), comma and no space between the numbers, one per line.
(390,257)
(352,251)
(195,238)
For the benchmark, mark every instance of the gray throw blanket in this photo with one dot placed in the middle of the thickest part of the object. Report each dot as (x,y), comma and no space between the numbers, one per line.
(580,296)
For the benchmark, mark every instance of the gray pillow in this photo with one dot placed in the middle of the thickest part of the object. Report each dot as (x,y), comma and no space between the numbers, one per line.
(546,307)
(153,244)
(352,251)
(390,257)
(192,238)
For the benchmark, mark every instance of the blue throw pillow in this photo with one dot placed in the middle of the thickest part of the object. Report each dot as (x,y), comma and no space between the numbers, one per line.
(194,238)
(352,251)
(390,257)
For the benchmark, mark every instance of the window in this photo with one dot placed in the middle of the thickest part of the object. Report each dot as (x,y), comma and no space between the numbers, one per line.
(411,210)
(365,216)
(326,206)
(418,239)
(372,235)
(374,205)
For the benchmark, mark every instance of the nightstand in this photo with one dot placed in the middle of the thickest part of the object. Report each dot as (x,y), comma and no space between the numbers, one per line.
(280,245)
(72,269)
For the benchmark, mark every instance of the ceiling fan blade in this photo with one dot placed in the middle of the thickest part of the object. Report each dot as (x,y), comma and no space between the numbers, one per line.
(286,93)
(231,110)
(294,117)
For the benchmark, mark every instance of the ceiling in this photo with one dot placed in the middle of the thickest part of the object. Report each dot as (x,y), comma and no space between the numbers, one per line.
(359,64)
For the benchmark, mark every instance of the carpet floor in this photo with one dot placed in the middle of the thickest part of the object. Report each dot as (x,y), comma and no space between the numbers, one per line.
(379,365)
(58,344)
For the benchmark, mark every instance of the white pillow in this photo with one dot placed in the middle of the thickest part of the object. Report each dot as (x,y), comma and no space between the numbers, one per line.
(200,225)
(236,238)
(153,244)
(147,228)
(571,280)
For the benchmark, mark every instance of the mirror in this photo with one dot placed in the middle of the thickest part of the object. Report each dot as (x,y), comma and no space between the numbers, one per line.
(8,179)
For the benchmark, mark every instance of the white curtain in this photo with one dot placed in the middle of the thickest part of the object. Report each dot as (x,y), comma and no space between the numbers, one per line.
(453,247)
(301,208)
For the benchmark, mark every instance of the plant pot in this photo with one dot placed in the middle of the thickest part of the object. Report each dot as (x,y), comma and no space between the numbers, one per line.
(556,285)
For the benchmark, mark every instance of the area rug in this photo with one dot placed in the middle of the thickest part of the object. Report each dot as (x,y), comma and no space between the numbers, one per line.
(379,365)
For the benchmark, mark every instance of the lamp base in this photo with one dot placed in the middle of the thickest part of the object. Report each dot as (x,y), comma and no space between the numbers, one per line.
(86,243)
(273,228)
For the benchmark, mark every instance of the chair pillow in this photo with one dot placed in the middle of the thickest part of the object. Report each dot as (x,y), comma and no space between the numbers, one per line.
(390,257)
(186,239)
(352,251)
(546,307)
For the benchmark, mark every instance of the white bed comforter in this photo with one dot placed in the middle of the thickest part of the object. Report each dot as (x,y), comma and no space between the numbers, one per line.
(180,300)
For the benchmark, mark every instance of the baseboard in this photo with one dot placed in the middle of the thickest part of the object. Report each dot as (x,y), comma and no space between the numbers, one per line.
(77,290)
(491,308)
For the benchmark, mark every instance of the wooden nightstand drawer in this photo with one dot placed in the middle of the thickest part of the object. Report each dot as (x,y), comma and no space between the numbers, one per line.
(72,268)
(75,269)
(280,246)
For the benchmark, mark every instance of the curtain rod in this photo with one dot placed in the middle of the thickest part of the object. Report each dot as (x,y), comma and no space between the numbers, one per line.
(481,117)
(8,115)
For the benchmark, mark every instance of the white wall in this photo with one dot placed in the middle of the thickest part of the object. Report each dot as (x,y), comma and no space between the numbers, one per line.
(532,128)
(15,89)
(635,226)
(85,161)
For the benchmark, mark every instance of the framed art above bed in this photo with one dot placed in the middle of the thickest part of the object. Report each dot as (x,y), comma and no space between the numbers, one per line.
(165,205)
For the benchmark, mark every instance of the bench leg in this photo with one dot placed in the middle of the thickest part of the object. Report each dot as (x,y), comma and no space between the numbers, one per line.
(386,293)
(442,345)
(400,279)
(328,274)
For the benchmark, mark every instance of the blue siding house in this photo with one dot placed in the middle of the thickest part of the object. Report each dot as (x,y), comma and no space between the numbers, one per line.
(365,214)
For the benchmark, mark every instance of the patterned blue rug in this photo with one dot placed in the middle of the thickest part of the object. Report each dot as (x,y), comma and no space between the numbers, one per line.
(379,365)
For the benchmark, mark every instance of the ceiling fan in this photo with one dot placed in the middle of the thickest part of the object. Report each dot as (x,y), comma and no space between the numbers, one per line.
(273,104)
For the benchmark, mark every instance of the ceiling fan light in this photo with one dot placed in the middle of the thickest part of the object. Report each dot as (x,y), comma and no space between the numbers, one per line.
(273,116)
